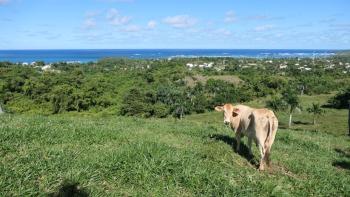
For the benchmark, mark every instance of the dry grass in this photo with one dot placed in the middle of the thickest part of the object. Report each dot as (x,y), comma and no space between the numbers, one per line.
(192,80)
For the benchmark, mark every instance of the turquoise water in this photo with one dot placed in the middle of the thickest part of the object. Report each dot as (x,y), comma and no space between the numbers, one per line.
(87,55)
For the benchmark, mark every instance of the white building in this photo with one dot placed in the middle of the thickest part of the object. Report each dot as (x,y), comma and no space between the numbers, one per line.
(283,66)
(46,67)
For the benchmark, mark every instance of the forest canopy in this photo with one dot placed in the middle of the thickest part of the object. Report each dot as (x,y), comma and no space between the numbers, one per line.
(159,88)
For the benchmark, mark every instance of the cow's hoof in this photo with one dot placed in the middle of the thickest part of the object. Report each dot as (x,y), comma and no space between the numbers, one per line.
(261,168)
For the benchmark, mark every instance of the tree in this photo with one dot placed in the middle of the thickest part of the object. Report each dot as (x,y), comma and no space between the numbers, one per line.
(341,100)
(277,104)
(316,110)
(293,101)
(61,99)
(134,104)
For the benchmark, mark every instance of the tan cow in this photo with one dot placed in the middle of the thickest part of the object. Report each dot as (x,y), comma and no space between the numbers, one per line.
(259,125)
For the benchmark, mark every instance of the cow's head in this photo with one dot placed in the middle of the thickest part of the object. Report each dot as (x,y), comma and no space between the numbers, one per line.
(229,112)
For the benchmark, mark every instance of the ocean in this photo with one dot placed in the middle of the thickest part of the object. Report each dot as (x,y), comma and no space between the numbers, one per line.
(93,55)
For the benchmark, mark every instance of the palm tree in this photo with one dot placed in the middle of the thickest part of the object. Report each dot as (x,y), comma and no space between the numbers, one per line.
(316,110)
(293,102)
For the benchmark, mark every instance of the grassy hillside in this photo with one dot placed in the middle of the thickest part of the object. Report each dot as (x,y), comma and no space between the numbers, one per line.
(121,156)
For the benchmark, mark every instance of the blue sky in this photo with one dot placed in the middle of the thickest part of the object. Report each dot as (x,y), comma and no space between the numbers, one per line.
(105,24)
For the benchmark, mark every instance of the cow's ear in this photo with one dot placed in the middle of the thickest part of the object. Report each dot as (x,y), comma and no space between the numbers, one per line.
(219,108)
(235,112)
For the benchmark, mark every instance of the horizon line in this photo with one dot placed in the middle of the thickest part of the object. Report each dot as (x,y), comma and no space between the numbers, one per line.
(177,49)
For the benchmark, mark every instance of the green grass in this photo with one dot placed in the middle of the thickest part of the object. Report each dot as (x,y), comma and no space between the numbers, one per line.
(119,156)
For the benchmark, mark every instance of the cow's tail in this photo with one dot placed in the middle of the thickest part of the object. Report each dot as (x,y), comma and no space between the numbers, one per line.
(272,125)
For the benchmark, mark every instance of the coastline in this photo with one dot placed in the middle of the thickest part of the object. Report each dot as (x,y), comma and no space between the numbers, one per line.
(93,55)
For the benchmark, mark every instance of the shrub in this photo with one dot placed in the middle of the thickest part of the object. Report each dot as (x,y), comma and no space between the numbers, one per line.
(160,110)
(134,104)
(62,99)
(341,100)
(277,104)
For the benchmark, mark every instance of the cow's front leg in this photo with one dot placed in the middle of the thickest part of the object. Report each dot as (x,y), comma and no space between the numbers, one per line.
(238,140)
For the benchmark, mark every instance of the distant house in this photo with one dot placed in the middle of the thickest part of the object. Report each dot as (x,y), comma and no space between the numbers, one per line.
(283,66)
(190,65)
(204,65)
(46,67)
(211,64)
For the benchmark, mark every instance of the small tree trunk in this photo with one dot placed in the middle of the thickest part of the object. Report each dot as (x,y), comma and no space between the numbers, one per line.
(314,120)
(181,114)
(302,90)
(290,120)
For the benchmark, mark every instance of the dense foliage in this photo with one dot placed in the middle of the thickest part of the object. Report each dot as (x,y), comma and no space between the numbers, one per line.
(341,100)
(158,88)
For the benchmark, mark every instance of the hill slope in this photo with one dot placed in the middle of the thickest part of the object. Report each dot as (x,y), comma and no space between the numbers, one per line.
(129,156)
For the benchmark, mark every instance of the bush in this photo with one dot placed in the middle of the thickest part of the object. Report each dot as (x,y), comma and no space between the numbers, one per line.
(341,100)
(160,110)
(61,99)
(277,104)
(221,92)
(134,104)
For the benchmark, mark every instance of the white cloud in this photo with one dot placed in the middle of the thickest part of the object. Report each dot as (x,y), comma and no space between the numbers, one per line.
(90,19)
(132,28)
(223,32)
(230,17)
(115,18)
(3,2)
(91,14)
(112,13)
(279,35)
(263,28)
(180,21)
(151,24)
(89,23)
(264,17)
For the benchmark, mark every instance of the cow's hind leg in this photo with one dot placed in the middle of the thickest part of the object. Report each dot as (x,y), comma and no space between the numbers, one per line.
(267,156)
(262,154)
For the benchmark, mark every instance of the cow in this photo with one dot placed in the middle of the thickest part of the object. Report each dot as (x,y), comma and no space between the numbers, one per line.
(259,125)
